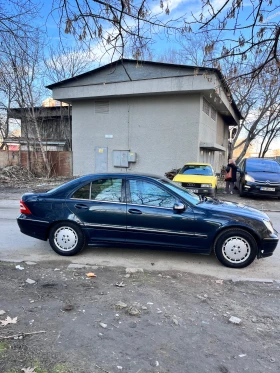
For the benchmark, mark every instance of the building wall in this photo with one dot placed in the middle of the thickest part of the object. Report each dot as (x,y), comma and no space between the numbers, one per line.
(162,130)
(207,126)
(221,158)
(212,131)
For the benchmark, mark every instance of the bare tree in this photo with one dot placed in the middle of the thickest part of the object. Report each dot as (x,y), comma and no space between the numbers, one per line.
(17,22)
(117,26)
(270,131)
(63,62)
(125,25)
(7,95)
(243,31)
(259,103)
(25,85)
(257,99)
(16,28)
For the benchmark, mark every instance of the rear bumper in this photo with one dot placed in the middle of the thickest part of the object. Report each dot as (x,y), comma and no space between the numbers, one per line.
(32,227)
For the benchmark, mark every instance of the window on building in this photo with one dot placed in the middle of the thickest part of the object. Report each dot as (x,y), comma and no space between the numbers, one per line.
(213,113)
(101,107)
(206,107)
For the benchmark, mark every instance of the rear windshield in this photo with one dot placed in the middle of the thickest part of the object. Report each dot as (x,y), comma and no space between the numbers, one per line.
(261,165)
(193,169)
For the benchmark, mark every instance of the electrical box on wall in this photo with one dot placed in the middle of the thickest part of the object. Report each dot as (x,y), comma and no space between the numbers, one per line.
(132,157)
(121,158)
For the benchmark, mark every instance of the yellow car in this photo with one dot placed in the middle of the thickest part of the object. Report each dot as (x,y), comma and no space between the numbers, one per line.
(199,178)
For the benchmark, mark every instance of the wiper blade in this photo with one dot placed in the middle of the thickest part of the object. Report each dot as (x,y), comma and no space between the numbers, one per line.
(270,172)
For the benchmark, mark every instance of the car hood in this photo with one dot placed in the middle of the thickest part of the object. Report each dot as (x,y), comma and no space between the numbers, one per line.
(265,176)
(194,179)
(232,208)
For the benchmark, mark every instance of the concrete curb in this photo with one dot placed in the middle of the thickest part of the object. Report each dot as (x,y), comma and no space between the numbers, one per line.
(74,266)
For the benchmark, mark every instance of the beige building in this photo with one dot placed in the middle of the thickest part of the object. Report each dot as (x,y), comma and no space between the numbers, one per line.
(147,117)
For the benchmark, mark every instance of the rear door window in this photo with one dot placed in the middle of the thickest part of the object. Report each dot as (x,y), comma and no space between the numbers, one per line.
(108,190)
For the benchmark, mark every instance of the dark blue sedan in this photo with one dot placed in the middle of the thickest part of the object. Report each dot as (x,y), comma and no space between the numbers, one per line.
(145,210)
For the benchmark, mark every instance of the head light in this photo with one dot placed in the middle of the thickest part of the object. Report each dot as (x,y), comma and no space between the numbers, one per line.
(249,178)
(268,225)
(206,185)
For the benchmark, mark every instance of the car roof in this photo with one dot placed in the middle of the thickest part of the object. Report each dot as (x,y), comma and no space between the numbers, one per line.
(87,178)
(198,163)
(122,174)
(261,159)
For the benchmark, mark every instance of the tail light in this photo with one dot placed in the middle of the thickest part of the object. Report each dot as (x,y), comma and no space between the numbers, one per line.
(24,209)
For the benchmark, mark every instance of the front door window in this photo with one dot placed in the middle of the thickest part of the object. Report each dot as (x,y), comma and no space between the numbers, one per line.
(148,194)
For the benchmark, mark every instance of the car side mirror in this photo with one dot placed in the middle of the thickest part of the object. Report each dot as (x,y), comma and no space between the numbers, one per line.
(179,207)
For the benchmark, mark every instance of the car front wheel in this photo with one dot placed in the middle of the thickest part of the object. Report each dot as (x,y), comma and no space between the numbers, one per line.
(66,238)
(235,248)
(241,190)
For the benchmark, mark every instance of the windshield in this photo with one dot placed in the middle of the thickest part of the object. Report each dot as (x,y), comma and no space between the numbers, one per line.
(261,165)
(196,169)
(189,196)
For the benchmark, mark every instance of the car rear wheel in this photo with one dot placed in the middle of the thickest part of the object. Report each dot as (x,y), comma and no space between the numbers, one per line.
(235,248)
(66,238)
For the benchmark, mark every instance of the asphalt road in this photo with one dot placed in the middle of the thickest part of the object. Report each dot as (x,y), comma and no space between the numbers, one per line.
(17,247)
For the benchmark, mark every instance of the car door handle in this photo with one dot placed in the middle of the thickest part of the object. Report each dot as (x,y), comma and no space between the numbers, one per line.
(80,206)
(135,211)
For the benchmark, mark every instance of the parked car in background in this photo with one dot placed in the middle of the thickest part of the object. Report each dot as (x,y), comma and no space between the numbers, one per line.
(198,178)
(148,211)
(258,176)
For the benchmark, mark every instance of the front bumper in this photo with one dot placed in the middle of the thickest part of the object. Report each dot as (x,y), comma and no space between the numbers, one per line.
(268,245)
(261,190)
(202,191)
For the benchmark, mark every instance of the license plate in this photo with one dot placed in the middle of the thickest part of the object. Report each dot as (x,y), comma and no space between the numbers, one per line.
(265,189)
(193,190)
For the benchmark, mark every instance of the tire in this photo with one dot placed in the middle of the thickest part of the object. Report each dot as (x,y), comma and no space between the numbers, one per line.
(214,193)
(241,190)
(235,248)
(66,239)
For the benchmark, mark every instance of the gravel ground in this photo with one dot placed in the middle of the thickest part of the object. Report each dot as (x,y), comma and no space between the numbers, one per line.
(140,323)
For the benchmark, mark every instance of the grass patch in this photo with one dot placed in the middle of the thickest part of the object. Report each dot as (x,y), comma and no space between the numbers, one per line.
(4,346)
(60,368)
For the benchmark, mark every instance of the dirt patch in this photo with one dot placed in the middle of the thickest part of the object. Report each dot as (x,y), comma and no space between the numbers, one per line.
(15,182)
(145,322)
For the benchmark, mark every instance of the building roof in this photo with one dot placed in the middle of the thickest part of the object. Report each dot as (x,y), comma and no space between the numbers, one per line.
(199,69)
